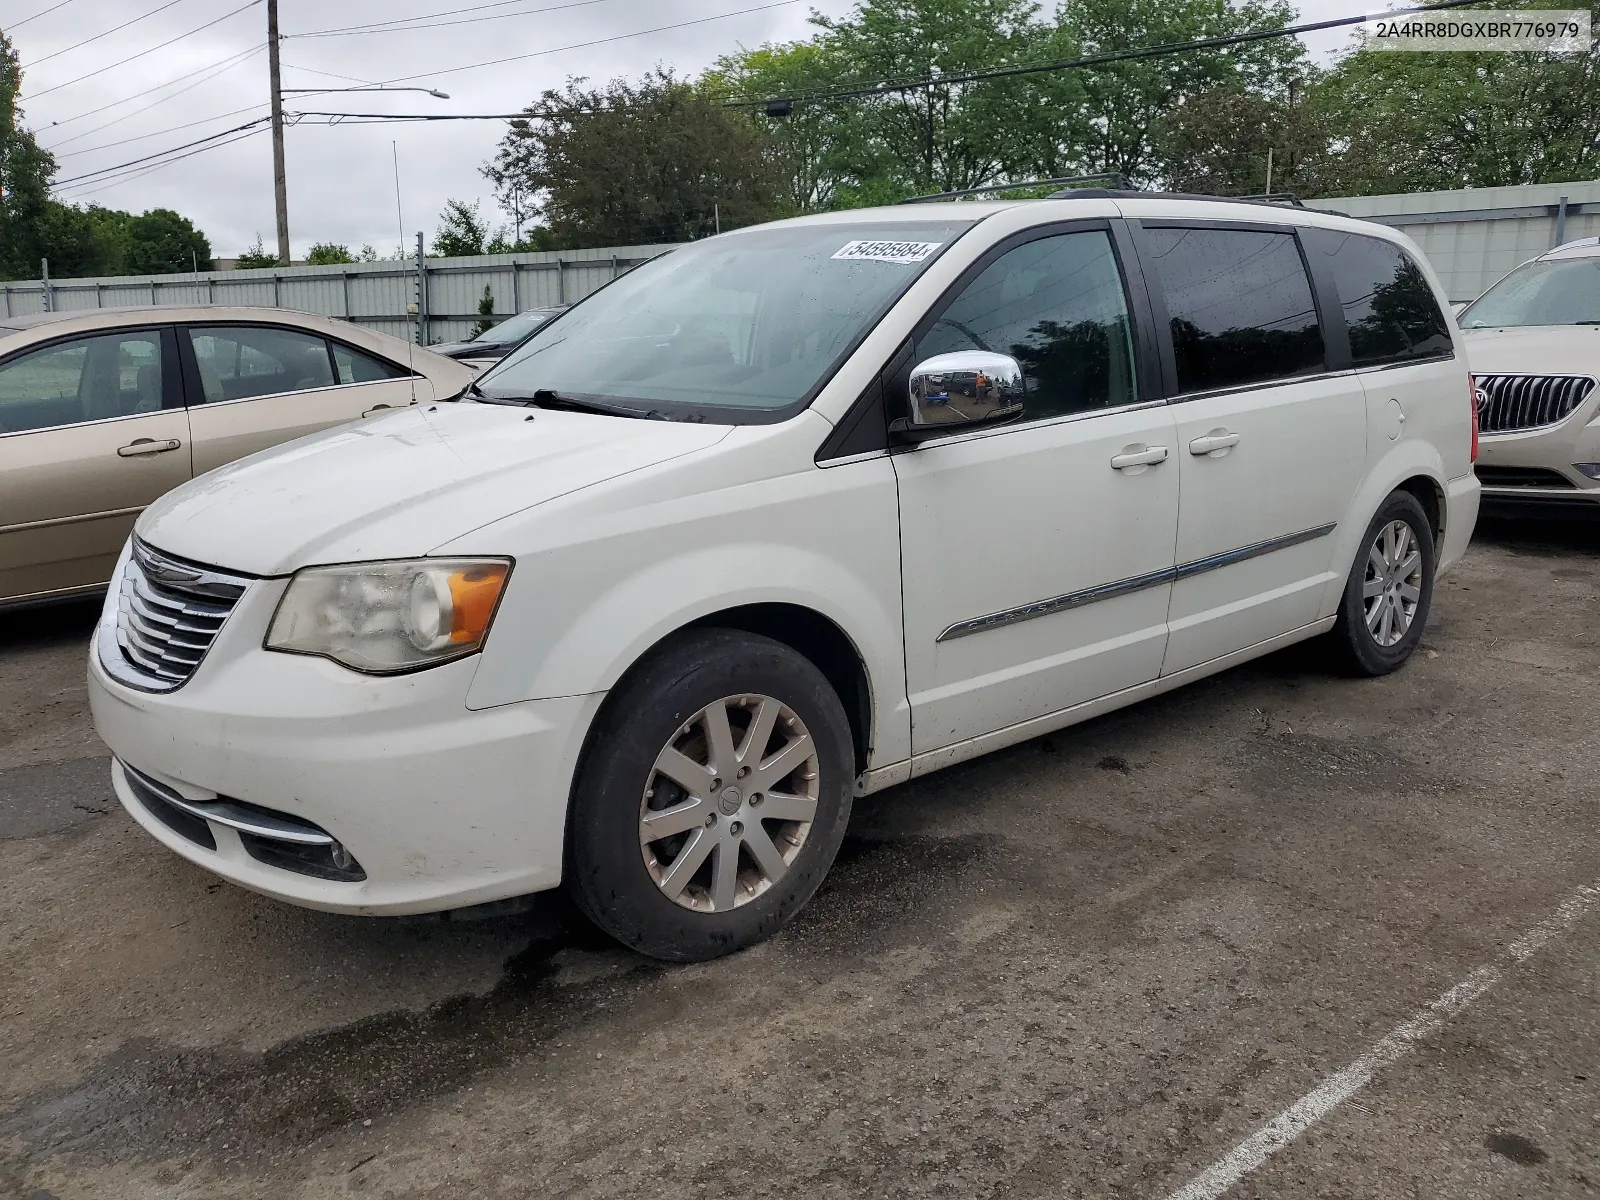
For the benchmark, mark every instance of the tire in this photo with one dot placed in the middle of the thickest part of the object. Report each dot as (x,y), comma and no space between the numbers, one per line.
(1359,646)
(636,888)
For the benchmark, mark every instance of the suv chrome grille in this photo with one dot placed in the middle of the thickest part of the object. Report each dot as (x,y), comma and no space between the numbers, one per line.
(1512,403)
(169,611)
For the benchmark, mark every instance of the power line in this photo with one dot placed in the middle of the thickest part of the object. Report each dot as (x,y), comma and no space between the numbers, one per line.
(41,13)
(232,60)
(98,36)
(142,137)
(1092,60)
(400,25)
(161,153)
(495,62)
(130,176)
(221,68)
(142,53)
(329,74)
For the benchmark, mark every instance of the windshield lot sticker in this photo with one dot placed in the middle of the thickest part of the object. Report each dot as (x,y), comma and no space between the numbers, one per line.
(890,252)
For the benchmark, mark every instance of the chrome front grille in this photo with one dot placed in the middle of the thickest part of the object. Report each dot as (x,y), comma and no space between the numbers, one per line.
(168,613)
(1512,403)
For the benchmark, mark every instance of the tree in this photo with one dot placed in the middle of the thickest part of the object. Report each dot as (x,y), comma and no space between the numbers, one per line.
(1216,143)
(485,311)
(1114,123)
(946,136)
(652,161)
(1414,121)
(25,172)
(461,231)
(327,254)
(256,256)
(161,242)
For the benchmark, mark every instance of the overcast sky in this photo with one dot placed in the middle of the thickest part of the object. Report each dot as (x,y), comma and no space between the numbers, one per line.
(341,178)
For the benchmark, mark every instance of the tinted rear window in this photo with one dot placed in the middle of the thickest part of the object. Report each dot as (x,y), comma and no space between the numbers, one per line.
(1240,306)
(1388,306)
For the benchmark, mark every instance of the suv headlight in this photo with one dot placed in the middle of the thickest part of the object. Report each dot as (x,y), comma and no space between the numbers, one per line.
(383,618)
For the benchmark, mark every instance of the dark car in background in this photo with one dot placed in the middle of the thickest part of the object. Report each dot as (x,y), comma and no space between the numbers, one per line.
(494,344)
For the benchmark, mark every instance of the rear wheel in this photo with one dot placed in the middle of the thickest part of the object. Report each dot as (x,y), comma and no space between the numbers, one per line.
(713,796)
(1389,590)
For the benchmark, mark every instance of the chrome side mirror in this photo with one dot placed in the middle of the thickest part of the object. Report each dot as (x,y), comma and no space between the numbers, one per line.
(961,390)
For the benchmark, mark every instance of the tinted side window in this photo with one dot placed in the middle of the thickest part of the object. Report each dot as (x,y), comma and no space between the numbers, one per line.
(1057,306)
(88,379)
(356,367)
(1388,306)
(241,361)
(1240,306)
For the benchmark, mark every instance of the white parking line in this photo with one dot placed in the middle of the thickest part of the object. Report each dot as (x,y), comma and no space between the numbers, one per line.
(1320,1101)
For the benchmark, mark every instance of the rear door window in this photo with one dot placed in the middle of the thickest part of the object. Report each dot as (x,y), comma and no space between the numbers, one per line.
(1389,308)
(240,362)
(1240,306)
(355,367)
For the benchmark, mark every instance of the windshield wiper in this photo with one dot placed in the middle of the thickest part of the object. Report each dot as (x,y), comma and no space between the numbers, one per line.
(550,398)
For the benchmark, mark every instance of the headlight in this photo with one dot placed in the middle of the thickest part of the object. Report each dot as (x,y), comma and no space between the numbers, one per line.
(386,617)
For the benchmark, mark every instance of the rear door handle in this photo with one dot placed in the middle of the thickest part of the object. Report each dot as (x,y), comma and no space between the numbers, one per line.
(1217,439)
(1146,457)
(147,446)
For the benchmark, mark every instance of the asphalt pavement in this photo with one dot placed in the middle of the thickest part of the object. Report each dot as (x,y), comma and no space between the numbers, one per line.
(1280,934)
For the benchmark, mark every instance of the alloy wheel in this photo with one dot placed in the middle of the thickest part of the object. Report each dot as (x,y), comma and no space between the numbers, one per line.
(729,803)
(1392,587)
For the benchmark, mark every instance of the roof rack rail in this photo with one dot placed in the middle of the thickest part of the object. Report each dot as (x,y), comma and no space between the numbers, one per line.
(1116,178)
(1270,198)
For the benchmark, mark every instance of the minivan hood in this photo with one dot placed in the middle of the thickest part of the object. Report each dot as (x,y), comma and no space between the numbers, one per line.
(401,484)
(1534,350)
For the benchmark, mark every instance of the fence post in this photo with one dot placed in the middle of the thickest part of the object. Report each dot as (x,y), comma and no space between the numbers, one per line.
(8,299)
(422,293)
(516,289)
(211,289)
(561,281)
(614,266)
(1561,223)
(49,297)
(277,290)
(345,278)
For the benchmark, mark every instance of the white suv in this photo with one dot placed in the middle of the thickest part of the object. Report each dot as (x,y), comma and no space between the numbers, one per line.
(782,518)
(1533,341)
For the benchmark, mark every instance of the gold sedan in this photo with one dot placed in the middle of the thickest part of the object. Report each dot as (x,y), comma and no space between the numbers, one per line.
(103,410)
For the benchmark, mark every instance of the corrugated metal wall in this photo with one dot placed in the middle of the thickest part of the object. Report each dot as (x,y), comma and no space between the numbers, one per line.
(371,294)
(1473,236)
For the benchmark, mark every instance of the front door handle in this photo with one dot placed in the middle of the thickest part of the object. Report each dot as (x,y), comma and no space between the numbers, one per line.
(376,408)
(1217,439)
(147,446)
(1139,456)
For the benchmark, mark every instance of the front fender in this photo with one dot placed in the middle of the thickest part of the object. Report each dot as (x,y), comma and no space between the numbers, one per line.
(579,612)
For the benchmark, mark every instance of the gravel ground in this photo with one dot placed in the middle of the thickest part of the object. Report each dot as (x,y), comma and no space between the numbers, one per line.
(1086,966)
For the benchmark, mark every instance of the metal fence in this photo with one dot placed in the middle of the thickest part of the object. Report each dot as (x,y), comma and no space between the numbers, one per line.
(1471,236)
(445,291)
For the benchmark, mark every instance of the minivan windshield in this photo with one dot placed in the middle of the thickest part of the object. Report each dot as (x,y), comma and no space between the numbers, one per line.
(1561,291)
(740,328)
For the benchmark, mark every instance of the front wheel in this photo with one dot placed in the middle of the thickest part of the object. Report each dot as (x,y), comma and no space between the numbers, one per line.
(713,797)
(1388,593)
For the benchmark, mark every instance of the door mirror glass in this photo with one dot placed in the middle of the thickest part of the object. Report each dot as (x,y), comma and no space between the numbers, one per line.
(963,388)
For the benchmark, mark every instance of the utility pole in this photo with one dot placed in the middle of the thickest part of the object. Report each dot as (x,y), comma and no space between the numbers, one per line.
(280,185)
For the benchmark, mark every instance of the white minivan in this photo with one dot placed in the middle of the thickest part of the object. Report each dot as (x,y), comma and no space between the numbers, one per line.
(785,517)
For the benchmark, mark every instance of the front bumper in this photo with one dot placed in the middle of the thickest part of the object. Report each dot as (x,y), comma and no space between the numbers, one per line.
(442,806)
(1549,452)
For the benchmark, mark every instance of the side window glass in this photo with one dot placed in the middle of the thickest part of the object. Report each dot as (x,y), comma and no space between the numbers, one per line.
(356,367)
(1388,306)
(1057,306)
(245,361)
(89,379)
(1240,306)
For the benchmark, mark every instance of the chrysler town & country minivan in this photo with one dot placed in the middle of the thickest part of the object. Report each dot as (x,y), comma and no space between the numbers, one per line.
(779,519)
